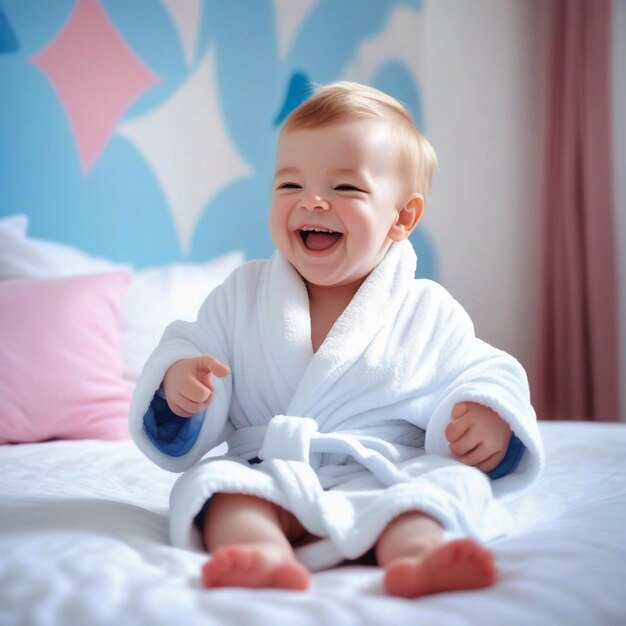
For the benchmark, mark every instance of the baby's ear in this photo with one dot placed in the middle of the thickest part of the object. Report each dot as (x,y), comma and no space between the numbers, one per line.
(407,218)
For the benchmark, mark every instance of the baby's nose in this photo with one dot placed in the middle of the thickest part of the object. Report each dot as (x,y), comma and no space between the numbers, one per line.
(313,202)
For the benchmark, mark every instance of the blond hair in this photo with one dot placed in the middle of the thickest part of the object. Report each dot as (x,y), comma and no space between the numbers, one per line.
(345,101)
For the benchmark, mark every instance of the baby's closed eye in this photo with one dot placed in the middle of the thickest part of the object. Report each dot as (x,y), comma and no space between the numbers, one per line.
(348,187)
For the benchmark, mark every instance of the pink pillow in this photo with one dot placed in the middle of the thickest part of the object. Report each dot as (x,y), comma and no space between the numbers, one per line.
(61,359)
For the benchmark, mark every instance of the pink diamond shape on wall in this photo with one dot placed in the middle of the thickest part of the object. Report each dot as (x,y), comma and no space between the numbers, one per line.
(96,76)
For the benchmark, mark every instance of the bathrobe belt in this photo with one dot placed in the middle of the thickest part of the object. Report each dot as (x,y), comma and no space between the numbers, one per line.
(297,439)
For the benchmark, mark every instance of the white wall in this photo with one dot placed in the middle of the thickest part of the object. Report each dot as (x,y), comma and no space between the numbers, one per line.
(484,93)
(619,147)
(482,83)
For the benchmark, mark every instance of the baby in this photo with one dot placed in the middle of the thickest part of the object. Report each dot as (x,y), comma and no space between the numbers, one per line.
(362,415)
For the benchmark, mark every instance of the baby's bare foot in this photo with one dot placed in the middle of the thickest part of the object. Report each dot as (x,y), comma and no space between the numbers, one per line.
(254,566)
(460,564)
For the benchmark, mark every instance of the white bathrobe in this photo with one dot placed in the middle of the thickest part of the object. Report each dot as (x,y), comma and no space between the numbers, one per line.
(353,435)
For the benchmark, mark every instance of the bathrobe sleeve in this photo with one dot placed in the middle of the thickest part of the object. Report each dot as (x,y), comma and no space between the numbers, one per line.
(472,370)
(209,334)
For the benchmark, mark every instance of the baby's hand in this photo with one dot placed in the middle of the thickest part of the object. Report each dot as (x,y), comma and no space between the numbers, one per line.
(477,436)
(188,384)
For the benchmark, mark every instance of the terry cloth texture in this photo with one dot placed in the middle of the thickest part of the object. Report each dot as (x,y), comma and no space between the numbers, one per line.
(350,436)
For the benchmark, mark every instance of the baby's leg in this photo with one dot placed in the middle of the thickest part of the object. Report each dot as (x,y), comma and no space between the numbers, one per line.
(248,539)
(417,562)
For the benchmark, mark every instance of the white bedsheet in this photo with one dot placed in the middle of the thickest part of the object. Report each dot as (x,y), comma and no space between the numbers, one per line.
(83,541)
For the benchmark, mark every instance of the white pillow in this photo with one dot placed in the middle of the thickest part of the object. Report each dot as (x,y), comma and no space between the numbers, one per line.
(155,297)
(26,257)
(160,295)
(15,225)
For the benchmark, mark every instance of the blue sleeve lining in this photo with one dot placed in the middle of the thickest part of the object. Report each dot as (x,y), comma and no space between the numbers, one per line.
(171,434)
(511,460)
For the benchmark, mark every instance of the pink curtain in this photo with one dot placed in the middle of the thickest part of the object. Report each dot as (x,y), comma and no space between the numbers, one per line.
(575,376)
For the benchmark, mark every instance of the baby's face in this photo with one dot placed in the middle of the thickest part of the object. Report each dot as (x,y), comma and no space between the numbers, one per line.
(336,193)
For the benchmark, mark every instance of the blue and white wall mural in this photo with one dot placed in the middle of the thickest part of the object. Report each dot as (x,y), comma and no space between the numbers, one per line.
(145,131)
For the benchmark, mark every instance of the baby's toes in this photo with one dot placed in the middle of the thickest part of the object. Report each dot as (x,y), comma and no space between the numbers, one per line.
(242,557)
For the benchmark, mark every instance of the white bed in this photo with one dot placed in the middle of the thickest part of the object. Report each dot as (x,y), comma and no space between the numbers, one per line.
(83,541)
(83,519)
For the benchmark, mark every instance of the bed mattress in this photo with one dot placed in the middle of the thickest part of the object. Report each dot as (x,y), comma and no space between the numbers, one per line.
(83,541)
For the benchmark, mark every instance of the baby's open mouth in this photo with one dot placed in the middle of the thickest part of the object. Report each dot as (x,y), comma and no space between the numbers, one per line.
(319,239)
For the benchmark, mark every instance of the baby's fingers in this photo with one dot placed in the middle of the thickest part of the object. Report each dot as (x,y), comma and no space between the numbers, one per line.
(212,365)
(195,390)
(463,445)
(459,409)
(483,458)
(476,456)
(456,429)
(185,408)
